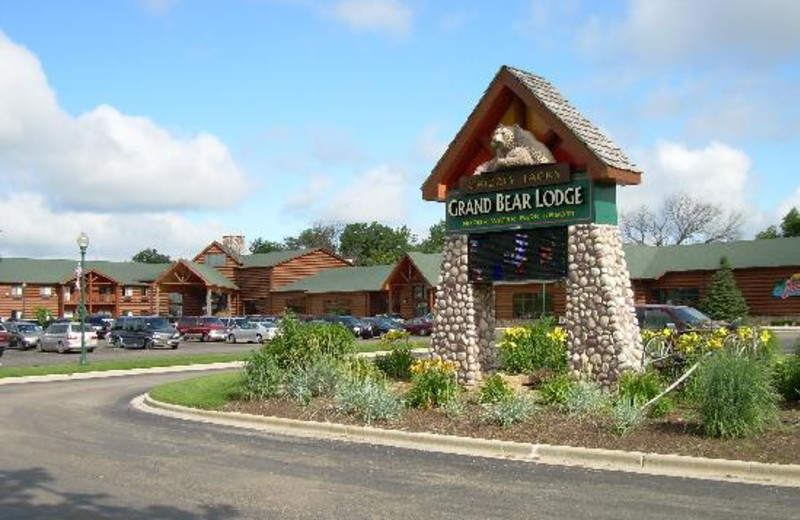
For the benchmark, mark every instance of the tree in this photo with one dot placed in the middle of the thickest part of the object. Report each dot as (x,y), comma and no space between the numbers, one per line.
(262,245)
(151,256)
(724,300)
(790,227)
(375,244)
(682,219)
(318,235)
(435,241)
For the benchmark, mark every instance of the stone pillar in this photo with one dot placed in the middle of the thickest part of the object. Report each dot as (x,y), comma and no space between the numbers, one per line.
(600,319)
(463,328)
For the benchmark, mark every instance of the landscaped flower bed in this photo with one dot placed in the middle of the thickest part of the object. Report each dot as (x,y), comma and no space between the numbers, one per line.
(736,405)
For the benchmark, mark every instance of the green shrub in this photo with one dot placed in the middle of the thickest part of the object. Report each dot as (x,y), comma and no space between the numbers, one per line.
(554,391)
(454,407)
(626,416)
(585,398)
(541,345)
(786,378)
(361,369)
(262,376)
(397,363)
(434,384)
(314,379)
(297,343)
(495,389)
(638,389)
(734,395)
(367,399)
(510,411)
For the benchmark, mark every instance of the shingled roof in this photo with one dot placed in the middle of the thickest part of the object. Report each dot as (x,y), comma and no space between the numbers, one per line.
(342,279)
(513,97)
(585,130)
(274,258)
(54,271)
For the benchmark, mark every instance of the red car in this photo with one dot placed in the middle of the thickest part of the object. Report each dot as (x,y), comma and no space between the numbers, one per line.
(5,339)
(204,328)
(419,326)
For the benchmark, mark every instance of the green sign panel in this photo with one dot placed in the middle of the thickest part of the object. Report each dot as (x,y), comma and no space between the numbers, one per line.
(531,207)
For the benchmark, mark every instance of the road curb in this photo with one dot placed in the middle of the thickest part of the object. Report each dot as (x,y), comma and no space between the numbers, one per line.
(101,374)
(787,475)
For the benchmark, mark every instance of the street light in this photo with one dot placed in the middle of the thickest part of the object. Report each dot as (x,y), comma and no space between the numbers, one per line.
(83,244)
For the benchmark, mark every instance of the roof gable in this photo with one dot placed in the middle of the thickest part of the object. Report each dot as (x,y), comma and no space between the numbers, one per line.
(223,249)
(280,257)
(427,264)
(184,271)
(518,97)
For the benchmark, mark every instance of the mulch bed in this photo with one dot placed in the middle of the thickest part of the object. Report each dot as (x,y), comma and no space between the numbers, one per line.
(677,433)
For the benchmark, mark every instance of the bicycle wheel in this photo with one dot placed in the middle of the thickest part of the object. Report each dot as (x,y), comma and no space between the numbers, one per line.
(656,349)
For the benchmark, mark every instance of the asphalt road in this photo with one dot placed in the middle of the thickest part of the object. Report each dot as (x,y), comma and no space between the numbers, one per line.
(77,450)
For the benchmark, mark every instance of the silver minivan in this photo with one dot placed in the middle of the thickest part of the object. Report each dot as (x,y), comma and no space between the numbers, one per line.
(66,336)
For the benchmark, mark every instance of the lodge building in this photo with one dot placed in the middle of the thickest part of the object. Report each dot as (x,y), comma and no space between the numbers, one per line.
(221,280)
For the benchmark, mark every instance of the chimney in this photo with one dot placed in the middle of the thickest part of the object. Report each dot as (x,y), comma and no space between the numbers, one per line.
(234,243)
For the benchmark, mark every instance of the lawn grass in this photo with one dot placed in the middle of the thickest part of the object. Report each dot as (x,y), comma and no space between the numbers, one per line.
(206,392)
(126,364)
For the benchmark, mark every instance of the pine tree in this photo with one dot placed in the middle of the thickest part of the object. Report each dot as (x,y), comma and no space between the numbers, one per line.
(724,300)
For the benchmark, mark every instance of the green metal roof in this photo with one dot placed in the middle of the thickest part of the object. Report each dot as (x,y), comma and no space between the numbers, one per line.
(211,275)
(53,271)
(647,262)
(274,258)
(342,279)
(428,264)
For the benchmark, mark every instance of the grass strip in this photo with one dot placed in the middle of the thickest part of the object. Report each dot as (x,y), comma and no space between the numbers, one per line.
(124,364)
(206,392)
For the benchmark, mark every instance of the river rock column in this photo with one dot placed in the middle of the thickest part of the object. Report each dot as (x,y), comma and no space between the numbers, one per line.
(600,319)
(464,320)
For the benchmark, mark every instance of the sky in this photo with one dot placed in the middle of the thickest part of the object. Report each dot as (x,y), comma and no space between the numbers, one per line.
(168,123)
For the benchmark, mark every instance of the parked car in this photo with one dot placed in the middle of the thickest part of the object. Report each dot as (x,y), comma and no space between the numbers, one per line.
(678,317)
(351,323)
(143,332)
(268,325)
(100,324)
(367,329)
(66,336)
(244,330)
(5,337)
(419,326)
(382,325)
(23,334)
(204,328)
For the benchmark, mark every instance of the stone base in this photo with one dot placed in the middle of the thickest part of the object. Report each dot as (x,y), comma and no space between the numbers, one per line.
(600,319)
(464,316)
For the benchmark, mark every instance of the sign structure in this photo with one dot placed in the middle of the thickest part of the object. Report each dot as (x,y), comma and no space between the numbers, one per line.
(514,178)
(787,288)
(563,204)
(538,254)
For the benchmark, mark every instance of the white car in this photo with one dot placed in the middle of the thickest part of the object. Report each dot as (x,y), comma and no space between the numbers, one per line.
(66,336)
(269,328)
(243,330)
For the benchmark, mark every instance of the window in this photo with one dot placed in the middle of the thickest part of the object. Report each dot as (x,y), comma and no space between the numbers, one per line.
(144,291)
(215,259)
(528,306)
(677,296)
(337,307)
(67,294)
(656,319)
(16,291)
(127,292)
(46,292)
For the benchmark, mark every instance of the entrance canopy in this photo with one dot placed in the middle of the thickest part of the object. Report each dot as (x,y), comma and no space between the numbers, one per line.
(518,97)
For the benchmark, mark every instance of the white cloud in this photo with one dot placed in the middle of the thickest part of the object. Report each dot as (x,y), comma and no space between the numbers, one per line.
(379,194)
(429,145)
(300,202)
(677,31)
(716,173)
(32,228)
(390,16)
(792,201)
(103,159)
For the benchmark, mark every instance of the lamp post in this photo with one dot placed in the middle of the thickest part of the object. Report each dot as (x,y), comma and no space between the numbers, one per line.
(83,244)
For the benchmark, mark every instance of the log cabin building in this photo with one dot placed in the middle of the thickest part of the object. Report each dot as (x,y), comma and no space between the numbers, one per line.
(220,280)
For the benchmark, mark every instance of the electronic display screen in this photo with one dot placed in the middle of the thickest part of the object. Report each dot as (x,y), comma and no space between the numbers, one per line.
(507,256)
